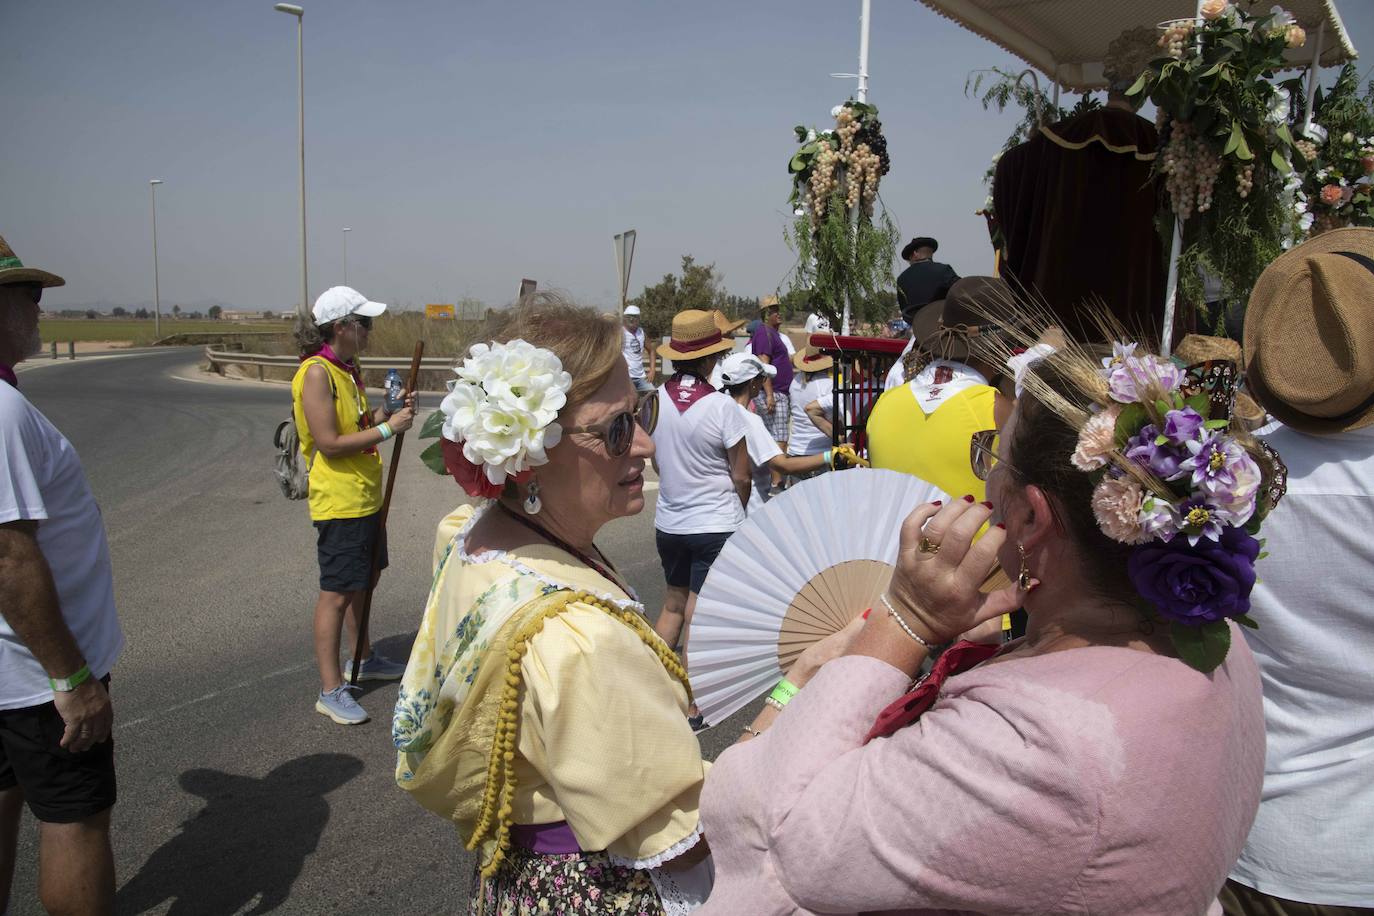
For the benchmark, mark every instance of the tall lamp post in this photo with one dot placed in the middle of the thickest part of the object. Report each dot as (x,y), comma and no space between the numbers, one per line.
(157,292)
(299,12)
(346,230)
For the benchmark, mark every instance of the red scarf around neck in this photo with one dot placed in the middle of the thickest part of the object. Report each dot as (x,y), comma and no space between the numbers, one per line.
(685,389)
(906,709)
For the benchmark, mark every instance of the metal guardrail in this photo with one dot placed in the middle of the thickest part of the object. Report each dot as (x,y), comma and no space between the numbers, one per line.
(220,358)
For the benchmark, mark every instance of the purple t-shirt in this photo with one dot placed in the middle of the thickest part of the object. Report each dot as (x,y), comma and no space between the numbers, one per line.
(768,342)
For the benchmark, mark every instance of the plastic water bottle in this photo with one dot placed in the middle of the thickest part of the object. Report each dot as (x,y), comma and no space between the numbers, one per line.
(395,391)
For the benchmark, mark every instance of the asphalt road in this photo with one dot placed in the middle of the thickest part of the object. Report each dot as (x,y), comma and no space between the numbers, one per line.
(235,795)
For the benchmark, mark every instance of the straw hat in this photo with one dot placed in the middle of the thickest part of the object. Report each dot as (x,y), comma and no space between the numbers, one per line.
(1199,348)
(809,359)
(12,270)
(947,327)
(768,302)
(694,335)
(725,325)
(1309,334)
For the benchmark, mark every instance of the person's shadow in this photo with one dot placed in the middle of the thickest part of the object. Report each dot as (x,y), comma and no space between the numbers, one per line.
(249,842)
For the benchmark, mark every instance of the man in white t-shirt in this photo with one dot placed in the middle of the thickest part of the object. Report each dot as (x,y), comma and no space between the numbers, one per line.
(1309,358)
(632,345)
(59,635)
(743,375)
(816,323)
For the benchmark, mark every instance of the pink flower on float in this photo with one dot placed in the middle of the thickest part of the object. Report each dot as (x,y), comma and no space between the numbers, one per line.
(1116,505)
(1331,195)
(1212,9)
(1097,440)
(1141,378)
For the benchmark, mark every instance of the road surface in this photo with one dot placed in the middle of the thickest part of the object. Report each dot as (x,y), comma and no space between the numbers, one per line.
(235,795)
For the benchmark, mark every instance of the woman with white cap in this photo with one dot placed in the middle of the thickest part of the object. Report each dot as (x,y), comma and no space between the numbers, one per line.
(339,438)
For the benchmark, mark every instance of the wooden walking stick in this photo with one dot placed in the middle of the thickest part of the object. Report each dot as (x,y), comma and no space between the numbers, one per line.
(381,522)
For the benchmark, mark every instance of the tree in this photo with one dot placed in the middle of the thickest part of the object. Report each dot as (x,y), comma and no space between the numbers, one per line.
(215,312)
(268,315)
(142,313)
(699,287)
(176,311)
(746,307)
(92,313)
(119,311)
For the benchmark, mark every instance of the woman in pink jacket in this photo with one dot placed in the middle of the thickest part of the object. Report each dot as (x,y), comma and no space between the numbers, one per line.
(1108,762)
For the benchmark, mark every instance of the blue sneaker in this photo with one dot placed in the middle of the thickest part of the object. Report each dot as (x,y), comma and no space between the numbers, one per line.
(375,668)
(339,705)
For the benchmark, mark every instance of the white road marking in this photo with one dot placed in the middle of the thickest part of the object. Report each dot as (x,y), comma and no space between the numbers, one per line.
(121,726)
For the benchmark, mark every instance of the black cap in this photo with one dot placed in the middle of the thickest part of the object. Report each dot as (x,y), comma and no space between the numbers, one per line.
(923,241)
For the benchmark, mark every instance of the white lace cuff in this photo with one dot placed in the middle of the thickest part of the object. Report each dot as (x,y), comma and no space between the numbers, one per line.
(667,855)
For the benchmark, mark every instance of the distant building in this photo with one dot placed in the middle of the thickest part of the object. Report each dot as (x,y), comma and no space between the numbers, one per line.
(239,315)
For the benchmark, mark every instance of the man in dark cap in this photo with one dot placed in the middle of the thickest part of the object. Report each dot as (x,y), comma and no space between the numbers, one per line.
(925,280)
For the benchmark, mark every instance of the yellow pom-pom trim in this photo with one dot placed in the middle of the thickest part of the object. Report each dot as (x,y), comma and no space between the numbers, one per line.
(498,797)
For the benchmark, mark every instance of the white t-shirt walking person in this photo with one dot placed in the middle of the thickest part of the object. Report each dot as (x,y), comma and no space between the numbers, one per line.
(632,345)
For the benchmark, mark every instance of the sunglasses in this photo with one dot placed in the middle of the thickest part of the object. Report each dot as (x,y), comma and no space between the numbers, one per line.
(363,321)
(618,434)
(981,457)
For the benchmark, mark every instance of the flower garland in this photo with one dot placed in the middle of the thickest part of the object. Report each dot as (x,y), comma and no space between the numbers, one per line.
(1178,486)
(498,419)
(1334,186)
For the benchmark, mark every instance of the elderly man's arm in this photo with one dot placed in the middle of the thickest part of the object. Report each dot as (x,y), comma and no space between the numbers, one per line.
(28,598)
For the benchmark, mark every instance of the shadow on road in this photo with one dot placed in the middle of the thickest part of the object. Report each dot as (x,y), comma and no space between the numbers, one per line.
(248,843)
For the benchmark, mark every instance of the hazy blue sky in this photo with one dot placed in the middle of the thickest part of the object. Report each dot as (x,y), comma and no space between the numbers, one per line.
(468,143)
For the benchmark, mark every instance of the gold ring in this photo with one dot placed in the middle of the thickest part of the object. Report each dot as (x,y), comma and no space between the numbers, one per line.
(926,545)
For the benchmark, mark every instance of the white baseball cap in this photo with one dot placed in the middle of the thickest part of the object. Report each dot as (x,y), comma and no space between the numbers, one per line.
(738,368)
(341,301)
(631,310)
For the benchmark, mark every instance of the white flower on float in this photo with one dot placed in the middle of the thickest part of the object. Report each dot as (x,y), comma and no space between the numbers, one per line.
(1278,107)
(835,112)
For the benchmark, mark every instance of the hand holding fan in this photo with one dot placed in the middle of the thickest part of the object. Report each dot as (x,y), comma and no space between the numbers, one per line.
(798,569)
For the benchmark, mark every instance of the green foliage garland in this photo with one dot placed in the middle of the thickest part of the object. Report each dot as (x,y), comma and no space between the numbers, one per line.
(1336,159)
(842,234)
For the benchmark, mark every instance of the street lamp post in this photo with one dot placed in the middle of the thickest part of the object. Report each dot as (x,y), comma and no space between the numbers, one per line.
(346,230)
(157,292)
(299,12)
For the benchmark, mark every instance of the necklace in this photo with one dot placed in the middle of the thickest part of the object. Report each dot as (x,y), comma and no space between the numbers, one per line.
(611,574)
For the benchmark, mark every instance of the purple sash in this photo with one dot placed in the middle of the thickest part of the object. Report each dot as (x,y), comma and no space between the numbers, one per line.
(546,839)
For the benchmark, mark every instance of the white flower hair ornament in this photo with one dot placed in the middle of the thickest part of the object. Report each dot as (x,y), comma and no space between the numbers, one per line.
(502,411)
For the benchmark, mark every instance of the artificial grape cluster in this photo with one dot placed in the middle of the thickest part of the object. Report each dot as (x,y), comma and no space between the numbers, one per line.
(823,179)
(871,135)
(1307,149)
(1176,38)
(1190,171)
(1245,180)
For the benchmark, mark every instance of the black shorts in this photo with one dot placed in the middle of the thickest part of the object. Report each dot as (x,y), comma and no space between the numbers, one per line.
(345,551)
(687,558)
(60,787)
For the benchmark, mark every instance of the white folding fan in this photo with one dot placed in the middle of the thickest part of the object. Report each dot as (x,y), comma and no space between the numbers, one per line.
(797,570)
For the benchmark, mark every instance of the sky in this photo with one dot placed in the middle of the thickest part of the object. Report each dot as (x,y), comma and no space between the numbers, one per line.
(467,143)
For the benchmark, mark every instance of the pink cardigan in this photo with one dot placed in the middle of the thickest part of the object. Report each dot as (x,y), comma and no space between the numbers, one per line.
(1096,780)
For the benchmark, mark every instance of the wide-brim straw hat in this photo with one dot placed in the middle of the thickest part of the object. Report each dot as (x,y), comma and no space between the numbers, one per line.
(809,359)
(1309,334)
(694,335)
(769,302)
(727,325)
(12,270)
(947,328)
(1200,348)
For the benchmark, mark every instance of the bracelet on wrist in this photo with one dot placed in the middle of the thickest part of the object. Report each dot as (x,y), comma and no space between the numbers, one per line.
(901,622)
(750,731)
(385,430)
(784,692)
(769,701)
(68,684)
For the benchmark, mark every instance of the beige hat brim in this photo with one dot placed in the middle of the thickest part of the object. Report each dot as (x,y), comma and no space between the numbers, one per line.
(11,275)
(667,352)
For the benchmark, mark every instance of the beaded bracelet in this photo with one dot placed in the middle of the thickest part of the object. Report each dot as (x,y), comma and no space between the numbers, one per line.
(903,624)
(751,732)
(769,701)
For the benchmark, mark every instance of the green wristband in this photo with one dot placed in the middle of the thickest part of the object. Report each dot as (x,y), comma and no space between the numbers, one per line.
(385,430)
(68,684)
(784,692)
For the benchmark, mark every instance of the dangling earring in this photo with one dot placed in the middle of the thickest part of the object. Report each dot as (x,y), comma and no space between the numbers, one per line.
(1023,577)
(532,502)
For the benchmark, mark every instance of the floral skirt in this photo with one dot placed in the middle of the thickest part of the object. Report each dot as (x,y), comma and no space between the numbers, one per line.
(585,884)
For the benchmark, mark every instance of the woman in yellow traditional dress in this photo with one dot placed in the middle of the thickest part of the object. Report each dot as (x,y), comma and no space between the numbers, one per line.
(539,710)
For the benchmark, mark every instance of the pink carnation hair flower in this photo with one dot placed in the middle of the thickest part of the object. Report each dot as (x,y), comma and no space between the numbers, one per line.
(1097,439)
(1116,504)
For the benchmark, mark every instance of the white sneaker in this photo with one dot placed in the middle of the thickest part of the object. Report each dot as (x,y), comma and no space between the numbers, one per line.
(339,705)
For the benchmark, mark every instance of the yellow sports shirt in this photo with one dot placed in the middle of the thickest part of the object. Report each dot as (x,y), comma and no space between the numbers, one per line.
(935,446)
(347,487)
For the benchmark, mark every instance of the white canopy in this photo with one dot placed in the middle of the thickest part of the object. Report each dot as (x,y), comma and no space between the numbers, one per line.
(1067,39)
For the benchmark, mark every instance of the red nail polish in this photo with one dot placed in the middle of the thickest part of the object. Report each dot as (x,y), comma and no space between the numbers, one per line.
(969,499)
(1002,526)
(987,504)
(938,502)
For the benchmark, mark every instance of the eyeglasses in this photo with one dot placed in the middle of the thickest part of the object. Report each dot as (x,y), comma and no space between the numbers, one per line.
(619,434)
(981,456)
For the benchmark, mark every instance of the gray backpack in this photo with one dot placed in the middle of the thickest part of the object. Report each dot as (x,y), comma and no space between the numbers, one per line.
(293,475)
